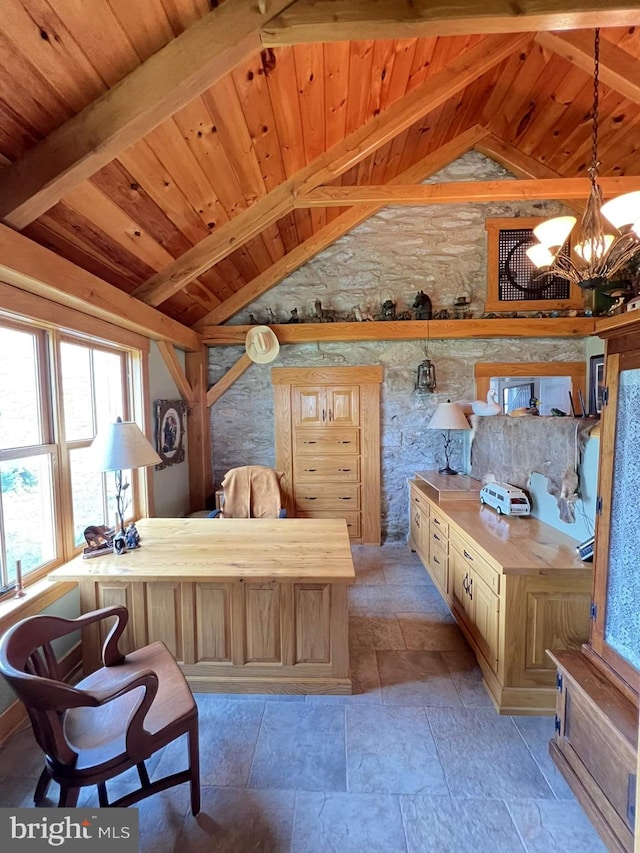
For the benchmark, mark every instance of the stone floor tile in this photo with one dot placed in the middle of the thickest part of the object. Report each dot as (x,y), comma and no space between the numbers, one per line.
(550,826)
(484,756)
(537,732)
(368,633)
(467,678)
(21,756)
(300,747)
(426,631)
(234,820)
(368,599)
(349,823)
(439,824)
(267,697)
(17,792)
(415,678)
(228,735)
(365,681)
(390,750)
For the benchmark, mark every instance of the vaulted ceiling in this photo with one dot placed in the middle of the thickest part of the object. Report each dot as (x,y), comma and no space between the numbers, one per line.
(176,167)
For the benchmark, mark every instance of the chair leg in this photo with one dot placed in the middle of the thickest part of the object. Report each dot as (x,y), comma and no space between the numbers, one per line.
(68,797)
(194,767)
(42,787)
(143,775)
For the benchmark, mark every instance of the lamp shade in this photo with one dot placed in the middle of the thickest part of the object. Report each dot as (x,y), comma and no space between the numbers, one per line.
(122,445)
(448,416)
(623,210)
(553,233)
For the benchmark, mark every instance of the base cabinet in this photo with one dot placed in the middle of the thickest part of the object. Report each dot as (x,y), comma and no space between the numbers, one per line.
(515,589)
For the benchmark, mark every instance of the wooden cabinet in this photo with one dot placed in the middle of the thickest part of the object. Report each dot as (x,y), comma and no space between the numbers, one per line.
(515,587)
(596,741)
(328,445)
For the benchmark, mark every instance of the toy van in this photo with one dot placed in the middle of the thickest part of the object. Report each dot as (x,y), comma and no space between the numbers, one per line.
(505,499)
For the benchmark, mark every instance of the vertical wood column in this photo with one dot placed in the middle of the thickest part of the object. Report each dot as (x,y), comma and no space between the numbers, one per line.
(199,432)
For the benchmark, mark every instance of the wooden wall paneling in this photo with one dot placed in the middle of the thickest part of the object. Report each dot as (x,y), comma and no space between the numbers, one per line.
(336,91)
(262,622)
(200,291)
(422,59)
(238,635)
(198,430)
(404,54)
(280,72)
(183,13)
(147,26)
(283,444)
(91,634)
(213,621)
(117,595)
(382,67)
(360,66)
(164,615)
(309,62)
(312,621)
(288,623)
(509,69)
(288,231)
(573,130)
(620,154)
(340,630)
(519,98)
(394,159)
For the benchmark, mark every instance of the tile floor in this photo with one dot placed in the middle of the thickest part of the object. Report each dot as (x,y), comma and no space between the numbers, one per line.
(416,761)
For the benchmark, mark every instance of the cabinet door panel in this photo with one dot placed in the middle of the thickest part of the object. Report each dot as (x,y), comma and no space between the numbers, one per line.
(439,562)
(459,574)
(309,406)
(312,622)
(262,623)
(486,607)
(343,405)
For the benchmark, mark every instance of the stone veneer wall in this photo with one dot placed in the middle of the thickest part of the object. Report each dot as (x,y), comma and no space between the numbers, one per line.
(398,251)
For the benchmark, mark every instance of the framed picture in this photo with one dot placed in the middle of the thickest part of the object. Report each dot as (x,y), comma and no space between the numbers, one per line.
(596,383)
(170,429)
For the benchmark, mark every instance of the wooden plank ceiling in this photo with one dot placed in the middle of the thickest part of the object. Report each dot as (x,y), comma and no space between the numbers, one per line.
(273,116)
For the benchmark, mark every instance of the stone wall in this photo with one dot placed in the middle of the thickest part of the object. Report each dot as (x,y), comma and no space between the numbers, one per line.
(400,250)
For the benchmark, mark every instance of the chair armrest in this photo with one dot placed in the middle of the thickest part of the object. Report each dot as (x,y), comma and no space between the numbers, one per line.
(214,513)
(110,653)
(137,736)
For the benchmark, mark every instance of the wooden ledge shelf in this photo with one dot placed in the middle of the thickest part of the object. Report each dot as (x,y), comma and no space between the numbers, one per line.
(408,330)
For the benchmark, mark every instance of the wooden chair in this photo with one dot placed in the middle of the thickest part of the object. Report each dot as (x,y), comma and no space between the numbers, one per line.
(108,722)
(251,491)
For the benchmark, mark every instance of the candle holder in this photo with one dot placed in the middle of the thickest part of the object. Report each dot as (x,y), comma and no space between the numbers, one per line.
(19,593)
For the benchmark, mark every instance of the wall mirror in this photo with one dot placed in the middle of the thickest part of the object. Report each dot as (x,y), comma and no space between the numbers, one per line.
(515,383)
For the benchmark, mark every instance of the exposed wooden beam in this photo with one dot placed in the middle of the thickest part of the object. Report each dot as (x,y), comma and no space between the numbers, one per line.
(618,69)
(409,330)
(346,20)
(149,95)
(465,191)
(168,353)
(216,391)
(521,165)
(35,269)
(293,260)
(338,159)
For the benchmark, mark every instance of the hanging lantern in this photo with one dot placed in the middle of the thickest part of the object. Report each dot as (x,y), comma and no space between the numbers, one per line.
(426,376)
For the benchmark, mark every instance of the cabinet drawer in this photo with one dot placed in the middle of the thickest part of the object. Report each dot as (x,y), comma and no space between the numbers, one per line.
(440,523)
(419,501)
(327,496)
(352,519)
(343,468)
(437,536)
(479,565)
(338,440)
(439,565)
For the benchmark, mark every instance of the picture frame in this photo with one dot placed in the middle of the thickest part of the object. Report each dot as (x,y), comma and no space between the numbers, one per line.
(170,432)
(596,384)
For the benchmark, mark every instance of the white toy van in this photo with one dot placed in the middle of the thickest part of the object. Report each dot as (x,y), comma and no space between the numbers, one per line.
(505,499)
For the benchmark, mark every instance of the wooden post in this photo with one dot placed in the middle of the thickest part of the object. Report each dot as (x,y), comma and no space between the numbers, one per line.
(198,433)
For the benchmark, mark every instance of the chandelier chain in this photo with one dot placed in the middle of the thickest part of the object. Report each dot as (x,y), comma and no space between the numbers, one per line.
(595,164)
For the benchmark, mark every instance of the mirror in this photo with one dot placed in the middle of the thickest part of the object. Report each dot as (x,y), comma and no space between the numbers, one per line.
(550,382)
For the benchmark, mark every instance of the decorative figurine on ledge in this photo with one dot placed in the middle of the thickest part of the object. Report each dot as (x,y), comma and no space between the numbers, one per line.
(294,316)
(361,316)
(271,317)
(388,310)
(443,314)
(422,306)
(132,537)
(324,315)
(461,303)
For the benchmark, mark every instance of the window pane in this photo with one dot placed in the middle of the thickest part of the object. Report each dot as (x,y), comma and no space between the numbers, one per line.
(27,507)
(20,411)
(76,391)
(108,383)
(87,486)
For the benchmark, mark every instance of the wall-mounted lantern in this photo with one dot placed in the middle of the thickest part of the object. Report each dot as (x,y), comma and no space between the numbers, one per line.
(426,376)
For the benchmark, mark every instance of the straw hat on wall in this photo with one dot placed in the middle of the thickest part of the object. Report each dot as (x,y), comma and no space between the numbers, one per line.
(262,344)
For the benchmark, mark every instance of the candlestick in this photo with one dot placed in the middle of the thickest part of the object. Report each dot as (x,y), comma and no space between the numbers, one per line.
(19,593)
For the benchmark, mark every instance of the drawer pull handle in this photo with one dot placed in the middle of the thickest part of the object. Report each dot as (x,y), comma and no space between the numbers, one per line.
(435,559)
(465,583)
(310,499)
(309,442)
(417,519)
(417,500)
(344,470)
(435,521)
(344,499)
(343,442)
(470,589)
(323,414)
(310,469)
(468,555)
(435,536)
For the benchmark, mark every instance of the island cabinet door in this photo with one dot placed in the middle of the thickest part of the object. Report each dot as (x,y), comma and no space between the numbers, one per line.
(486,619)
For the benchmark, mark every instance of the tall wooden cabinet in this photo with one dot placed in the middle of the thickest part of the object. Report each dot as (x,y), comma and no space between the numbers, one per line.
(328,445)
(596,740)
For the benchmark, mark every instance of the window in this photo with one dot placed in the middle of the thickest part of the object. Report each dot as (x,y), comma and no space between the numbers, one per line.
(55,392)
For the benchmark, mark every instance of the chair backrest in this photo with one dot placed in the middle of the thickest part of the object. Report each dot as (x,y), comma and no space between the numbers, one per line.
(29,663)
(252,491)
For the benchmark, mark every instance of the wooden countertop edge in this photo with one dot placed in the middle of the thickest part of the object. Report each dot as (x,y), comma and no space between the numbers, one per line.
(126,577)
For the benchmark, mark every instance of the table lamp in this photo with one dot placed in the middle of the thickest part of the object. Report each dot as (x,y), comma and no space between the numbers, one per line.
(446,417)
(122,445)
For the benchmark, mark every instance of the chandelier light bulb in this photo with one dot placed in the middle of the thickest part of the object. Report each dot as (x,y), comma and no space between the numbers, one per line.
(540,256)
(553,233)
(622,211)
(594,249)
